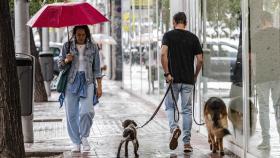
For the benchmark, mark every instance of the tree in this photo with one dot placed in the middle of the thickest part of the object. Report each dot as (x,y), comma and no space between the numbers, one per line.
(11,138)
(223,14)
(40,94)
(40,91)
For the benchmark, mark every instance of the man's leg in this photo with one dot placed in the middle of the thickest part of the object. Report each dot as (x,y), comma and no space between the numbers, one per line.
(186,97)
(263,99)
(275,93)
(170,107)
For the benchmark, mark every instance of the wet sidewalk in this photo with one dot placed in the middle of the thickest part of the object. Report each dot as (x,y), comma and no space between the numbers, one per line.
(116,105)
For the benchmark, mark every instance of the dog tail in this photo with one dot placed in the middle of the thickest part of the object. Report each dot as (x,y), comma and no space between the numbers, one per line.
(221,132)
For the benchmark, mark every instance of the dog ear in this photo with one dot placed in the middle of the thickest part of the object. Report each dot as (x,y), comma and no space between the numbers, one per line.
(134,123)
(125,123)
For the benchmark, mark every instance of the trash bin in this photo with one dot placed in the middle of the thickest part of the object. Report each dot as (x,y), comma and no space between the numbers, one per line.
(47,64)
(25,71)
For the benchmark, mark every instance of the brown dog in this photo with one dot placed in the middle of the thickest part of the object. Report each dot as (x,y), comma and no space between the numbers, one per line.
(215,115)
(129,134)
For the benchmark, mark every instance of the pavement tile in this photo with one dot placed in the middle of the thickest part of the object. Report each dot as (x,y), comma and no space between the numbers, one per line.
(116,105)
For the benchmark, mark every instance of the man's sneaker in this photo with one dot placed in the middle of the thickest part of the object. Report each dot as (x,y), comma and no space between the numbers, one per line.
(85,143)
(174,138)
(76,148)
(265,145)
(188,148)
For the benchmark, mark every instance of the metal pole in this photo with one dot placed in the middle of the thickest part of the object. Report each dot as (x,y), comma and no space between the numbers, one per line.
(22,39)
(157,48)
(22,45)
(245,72)
(149,28)
(58,35)
(46,50)
(131,15)
(52,34)
(140,46)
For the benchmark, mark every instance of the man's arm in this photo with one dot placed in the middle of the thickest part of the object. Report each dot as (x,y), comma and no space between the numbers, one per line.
(164,58)
(199,62)
(164,63)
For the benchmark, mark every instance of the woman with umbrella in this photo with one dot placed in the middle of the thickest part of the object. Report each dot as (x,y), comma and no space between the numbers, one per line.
(80,58)
(85,68)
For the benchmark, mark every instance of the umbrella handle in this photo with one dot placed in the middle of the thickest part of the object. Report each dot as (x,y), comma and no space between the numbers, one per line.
(68,41)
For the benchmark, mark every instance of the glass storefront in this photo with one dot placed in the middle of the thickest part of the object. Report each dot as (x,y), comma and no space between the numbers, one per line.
(144,22)
(264,52)
(222,69)
(218,24)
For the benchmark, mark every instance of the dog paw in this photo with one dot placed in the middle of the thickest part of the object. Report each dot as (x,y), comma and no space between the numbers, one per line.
(214,151)
(222,153)
(211,147)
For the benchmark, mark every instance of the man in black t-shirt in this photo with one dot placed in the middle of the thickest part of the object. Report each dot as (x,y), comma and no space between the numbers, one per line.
(266,50)
(178,51)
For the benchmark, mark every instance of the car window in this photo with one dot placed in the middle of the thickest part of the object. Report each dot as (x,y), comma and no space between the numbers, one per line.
(55,51)
(228,51)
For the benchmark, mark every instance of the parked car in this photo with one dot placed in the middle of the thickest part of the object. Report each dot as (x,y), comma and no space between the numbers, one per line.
(219,60)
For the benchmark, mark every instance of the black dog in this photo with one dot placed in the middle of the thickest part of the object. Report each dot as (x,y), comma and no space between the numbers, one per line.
(129,134)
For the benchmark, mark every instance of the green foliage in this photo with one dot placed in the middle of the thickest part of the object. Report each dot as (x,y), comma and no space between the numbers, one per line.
(34,5)
(11,6)
(165,10)
(223,12)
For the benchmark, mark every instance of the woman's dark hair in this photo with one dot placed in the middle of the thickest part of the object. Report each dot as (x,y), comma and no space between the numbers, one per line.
(84,27)
(180,18)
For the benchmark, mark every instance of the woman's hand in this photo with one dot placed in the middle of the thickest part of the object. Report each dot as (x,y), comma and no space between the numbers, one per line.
(99,91)
(69,58)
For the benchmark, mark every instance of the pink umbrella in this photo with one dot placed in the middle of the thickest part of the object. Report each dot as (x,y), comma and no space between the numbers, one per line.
(66,14)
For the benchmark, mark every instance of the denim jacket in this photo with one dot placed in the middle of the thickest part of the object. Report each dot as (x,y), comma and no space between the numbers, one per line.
(91,58)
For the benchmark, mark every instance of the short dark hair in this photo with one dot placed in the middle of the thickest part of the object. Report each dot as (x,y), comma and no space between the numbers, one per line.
(180,18)
(266,16)
(84,27)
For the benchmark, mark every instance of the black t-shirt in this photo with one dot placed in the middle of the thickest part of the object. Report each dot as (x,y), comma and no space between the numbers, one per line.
(182,48)
(266,48)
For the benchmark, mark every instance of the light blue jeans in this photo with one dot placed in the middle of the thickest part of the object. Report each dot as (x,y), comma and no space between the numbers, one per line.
(79,113)
(186,109)
(263,91)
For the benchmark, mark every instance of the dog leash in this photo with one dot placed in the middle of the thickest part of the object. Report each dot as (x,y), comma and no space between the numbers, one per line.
(157,109)
(199,124)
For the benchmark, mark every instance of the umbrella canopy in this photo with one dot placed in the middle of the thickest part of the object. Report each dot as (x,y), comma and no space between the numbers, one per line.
(66,14)
(104,39)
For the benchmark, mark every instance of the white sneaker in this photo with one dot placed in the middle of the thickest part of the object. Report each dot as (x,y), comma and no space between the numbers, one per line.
(265,145)
(76,148)
(85,143)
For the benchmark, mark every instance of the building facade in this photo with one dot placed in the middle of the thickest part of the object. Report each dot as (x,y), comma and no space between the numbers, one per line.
(241,44)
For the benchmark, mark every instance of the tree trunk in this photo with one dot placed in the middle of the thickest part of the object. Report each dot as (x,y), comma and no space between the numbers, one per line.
(11,137)
(116,29)
(40,93)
